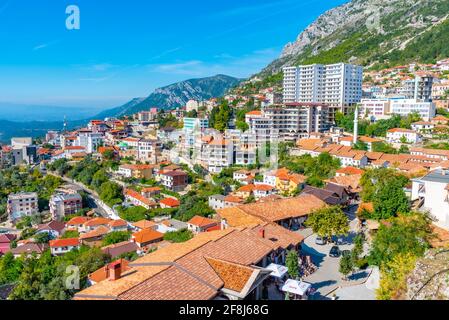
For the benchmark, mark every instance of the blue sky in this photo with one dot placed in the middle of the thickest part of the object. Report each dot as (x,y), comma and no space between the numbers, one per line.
(126,49)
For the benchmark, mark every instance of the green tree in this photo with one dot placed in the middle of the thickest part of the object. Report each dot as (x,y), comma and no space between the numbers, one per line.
(178,236)
(328,222)
(292,264)
(390,200)
(111,193)
(402,235)
(346,265)
(116,237)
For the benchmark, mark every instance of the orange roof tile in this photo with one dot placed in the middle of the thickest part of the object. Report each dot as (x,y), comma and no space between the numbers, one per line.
(144,224)
(147,235)
(170,202)
(202,221)
(73,242)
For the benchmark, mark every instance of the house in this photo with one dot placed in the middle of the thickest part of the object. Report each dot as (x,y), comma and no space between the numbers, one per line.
(119,249)
(62,246)
(201,224)
(348,171)
(139,200)
(144,224)
(77,223)
(287,212)
(423,126)
(5,242)
(174,180)
(228,264)
(399,135)
(217,201)
(147,237)
(327,196)
(369,141)
(136,171)
(431,193)
(95,223)
(169,203)
(151,192)
(54,229)
(29,249)
(118,225)
(263,190)
(245,192)
(94,238)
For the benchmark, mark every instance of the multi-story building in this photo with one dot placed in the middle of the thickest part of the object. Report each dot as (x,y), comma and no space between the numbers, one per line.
(404,107)
(297,120)
(147,116)
(89,140)
(432,191)
(193,124)
(218,154)
(136,171)
(23,151)
(419,88)
(22,205)
(338,85)
(174,180)
(64,204)
(149,150)
(375,109)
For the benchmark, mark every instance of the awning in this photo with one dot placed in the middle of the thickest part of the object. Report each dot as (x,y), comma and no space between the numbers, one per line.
(278,271)
(296,287)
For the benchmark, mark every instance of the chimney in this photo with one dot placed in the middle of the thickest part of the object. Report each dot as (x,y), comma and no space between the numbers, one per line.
(115,270)
(262,233)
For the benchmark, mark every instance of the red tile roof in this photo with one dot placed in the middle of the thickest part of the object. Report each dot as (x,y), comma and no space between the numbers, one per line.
(147,235)
(170,202)
(73,242)
(202,221)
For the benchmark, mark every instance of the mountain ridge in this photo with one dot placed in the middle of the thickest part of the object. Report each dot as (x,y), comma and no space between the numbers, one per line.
(176,95)
(373,33)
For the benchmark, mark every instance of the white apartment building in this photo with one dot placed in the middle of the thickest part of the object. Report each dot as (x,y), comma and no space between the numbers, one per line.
(89,140)
(64,204)
(338,85)
(423,126)
(397,135)
(298,120)
(433,192)
(218,154)
(419,88)
(22,205)
(404,107)
(149,151)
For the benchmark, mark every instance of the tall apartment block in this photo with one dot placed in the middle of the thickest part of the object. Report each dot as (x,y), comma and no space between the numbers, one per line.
(419,88)
(297,120)
(337,85)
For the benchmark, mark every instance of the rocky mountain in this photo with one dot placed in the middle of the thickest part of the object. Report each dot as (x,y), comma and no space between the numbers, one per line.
(176,95)
(374,33)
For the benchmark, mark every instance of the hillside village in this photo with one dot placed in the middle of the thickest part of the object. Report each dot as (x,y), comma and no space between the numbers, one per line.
(235,190)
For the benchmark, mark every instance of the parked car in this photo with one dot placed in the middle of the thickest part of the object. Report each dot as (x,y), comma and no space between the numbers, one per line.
(321,241)
(335,252)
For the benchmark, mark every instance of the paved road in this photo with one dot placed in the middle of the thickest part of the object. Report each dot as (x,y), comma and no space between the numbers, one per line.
(93,199)
(328,278)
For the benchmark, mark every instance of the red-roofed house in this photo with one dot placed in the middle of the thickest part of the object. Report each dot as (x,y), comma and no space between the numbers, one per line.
(169,203)
(147,237)
(62,246)
(201,224)
(139,200)
(5,242)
